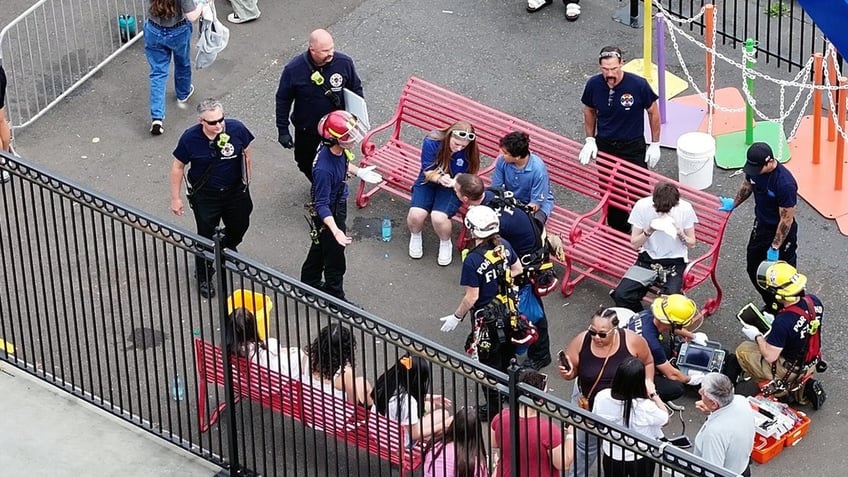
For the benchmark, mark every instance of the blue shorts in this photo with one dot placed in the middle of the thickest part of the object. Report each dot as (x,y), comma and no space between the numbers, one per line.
(431,196)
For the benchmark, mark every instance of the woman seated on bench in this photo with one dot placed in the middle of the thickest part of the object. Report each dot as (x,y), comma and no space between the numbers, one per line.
(460,450)
(444,153)
(243,340)
(328,366)
(402,394)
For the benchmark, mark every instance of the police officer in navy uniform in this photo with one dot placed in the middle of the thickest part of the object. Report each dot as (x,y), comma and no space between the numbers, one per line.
(314,81)
(614,106)
(516,226)
(775,232)
(218,153)
(325,264)
(481,281)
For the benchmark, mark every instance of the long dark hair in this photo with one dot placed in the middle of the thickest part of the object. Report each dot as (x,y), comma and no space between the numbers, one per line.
(241,332)
(331,351)
(163,8)
(466,433)
(410,376)
(629,384)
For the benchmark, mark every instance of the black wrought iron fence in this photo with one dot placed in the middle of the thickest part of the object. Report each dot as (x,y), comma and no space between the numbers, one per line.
(99,300)
(785,34)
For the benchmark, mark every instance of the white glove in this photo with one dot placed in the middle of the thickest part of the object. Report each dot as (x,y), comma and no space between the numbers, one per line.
(695,379)
(699,338)
(750,332)
(652,155)
(368,175)
(589,151)
(449,323)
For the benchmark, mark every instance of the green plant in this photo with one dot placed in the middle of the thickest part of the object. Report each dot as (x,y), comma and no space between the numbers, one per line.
(777,9)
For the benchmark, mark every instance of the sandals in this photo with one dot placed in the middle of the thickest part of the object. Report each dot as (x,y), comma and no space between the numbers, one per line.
(572,11)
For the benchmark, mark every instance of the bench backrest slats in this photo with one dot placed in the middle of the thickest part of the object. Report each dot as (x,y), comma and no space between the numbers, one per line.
(333,415)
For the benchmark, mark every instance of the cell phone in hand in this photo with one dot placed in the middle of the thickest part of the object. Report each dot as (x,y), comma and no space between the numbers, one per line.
(563,361)
(682,442)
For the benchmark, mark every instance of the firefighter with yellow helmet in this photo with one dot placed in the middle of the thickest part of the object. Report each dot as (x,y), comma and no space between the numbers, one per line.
(669,315)
(790,352)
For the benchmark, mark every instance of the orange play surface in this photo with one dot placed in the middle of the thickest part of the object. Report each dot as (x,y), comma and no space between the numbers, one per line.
(816,182)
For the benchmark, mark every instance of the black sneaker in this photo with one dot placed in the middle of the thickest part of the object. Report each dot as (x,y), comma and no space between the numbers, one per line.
(156,127)
(207,289)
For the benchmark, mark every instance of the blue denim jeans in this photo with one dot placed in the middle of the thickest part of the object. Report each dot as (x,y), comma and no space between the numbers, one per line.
(159,45)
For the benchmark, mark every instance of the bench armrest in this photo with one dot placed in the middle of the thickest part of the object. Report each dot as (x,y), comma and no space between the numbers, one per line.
(367,147)
(576,232)
(688,277)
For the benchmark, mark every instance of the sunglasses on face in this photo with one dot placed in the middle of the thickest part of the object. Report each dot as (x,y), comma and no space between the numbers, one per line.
(599,334)
(213,122)
(464,135)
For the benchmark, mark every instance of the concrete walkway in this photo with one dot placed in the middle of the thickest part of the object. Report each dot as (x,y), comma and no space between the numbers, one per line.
(45,431)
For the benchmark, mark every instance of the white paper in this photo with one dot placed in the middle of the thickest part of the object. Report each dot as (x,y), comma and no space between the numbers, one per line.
(665,224)
(356,105)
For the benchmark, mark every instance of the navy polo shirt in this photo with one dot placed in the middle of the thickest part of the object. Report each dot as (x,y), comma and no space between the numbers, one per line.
(198,151)
(478,272)
(651,334)
(771,192)
(620,110)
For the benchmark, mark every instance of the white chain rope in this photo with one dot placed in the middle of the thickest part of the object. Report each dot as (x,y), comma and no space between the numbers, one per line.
(746,73)
(831,103)
(784,112)
(709,99)
(677,18)
(666,15)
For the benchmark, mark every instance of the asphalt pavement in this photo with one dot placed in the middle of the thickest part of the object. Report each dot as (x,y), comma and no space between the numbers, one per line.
(529,65)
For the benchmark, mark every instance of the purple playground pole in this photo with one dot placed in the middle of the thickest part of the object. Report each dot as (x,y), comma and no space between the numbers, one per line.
(661,65)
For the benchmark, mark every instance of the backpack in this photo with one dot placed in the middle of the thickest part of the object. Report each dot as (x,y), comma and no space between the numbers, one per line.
(499,322)
(811,333)
(538,267)
(811,389)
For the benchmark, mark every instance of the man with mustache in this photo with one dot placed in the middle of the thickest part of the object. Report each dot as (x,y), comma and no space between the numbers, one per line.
(314,82)
(613,105)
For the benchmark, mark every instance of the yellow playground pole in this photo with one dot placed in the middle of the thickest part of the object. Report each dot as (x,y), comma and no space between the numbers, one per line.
(647,34)
(645,68)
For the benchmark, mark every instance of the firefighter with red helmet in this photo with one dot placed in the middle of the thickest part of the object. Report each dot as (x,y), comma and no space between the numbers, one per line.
(325,263)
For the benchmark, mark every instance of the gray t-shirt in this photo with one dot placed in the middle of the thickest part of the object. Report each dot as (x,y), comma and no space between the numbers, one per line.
(182,7)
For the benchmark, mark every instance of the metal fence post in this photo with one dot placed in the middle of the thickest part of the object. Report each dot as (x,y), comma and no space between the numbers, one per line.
(514,418)
(229,394)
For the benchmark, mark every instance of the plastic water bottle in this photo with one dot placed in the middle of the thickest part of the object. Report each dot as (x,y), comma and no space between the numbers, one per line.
(178,389)
(127,27)
(386,231)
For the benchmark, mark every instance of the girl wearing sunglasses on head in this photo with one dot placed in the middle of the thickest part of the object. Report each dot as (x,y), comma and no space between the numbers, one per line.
(444,154)
(592,358)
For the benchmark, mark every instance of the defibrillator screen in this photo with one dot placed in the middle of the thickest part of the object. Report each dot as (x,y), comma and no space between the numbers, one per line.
(698,358)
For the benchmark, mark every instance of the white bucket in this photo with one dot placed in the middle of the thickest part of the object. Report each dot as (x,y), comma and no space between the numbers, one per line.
(695,157)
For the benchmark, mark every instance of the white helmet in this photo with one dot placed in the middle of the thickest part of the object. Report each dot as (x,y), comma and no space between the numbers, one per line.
(482,221)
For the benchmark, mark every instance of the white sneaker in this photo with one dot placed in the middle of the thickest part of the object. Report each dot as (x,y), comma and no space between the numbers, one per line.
(182,102)
(416,250)
(445,252)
